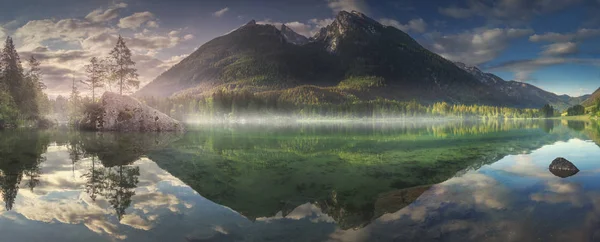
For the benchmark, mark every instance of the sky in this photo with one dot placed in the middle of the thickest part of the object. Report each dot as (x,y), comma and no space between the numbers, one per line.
(548,43)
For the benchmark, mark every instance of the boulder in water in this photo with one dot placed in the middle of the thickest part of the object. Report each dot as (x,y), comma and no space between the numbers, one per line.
(561,167)
(123,113)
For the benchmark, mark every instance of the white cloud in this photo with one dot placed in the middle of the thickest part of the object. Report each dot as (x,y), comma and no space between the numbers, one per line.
(152,24)
(560,49)
(99,15)
(321,23)
(84,38)
(188,37)
(300,28)
(579,35)
(417,25)
(135,20)
(221,12)
(69,30)
(348,5)
(2,33)
(477,46)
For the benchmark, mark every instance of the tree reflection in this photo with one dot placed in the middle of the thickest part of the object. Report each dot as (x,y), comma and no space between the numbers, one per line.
(20,156)
(121,187)
(95,180)
(115,178)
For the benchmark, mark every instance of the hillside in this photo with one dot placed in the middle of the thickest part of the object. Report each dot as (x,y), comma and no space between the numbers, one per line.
(524,93)
(267,61)
(592,99)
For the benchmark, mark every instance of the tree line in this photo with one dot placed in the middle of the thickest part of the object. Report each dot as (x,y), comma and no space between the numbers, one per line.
(224,104)
(21,96)
(23,102)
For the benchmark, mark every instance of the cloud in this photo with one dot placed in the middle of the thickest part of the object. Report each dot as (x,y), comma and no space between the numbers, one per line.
(152,24)
(321,23)
(417,25)
(348,5)
(524,68)
(99,15)
(221,12)
(188,37)
(456,12)
(136,20)
(65,46)
(558,49)
(475,47)
(507,10)
(298,27)
(2,33)
(69,30)
(579,35)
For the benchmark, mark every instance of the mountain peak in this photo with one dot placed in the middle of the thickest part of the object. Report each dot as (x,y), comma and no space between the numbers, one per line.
(252,22)
(293,37)
(348,24)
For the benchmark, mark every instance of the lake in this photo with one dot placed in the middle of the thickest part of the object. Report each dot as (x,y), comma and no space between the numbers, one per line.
(411,181)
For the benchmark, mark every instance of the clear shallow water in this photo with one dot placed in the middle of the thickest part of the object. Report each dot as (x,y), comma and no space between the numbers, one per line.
(457,181)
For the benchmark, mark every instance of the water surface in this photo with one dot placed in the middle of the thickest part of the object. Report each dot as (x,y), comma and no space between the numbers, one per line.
(442,181)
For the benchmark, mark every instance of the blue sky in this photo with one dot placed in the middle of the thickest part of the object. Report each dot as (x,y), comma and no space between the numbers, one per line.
(549,43)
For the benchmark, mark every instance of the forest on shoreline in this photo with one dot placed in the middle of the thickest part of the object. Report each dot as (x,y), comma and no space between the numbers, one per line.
(24,103)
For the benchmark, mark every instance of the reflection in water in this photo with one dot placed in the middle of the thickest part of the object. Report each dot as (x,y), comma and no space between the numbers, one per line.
(342,169)
(367,182)
(564,173)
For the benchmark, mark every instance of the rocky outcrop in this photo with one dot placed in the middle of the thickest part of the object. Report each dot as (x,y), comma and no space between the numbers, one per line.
(561,167)
(292,36)
(123,113)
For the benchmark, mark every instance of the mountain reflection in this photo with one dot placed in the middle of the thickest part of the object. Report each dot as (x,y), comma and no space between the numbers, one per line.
(366,182)
(353,173)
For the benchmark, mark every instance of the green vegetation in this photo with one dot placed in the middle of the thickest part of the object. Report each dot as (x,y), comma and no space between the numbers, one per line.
(576,110)
(339,167)
(117,69)
(595,109)
(362,83)
(21,98)
(318,102)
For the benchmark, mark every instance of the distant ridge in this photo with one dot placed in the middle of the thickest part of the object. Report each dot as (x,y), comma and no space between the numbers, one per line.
(523,92)
(591,100)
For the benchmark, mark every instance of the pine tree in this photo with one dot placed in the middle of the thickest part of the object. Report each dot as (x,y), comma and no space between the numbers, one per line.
(12,73)
(122,67)
(96,71)
(74,103)
(37,100)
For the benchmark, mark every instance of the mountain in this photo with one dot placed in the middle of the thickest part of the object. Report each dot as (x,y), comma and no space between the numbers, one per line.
(254,56)
(353,57)
(591,100)
(526,94)
(292,36)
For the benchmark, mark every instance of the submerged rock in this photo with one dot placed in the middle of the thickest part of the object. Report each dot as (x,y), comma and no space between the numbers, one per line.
(561,167)
(123,113)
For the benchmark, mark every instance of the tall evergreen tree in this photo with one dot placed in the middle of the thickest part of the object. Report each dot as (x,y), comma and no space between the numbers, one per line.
(74,103)
(36,101)
(96,71)
(122,67)
(12,74)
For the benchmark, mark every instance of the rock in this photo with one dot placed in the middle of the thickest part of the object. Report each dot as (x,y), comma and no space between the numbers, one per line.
(561,167)
(123,113)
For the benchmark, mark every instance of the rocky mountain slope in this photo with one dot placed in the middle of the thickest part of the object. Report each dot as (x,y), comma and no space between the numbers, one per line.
(292,36)
(354,48)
